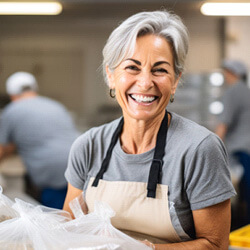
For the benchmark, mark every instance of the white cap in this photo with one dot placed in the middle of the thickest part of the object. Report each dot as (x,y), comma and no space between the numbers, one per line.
(17,81)
(236,67)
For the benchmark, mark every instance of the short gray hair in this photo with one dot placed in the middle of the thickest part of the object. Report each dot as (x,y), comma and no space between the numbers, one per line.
(122,40)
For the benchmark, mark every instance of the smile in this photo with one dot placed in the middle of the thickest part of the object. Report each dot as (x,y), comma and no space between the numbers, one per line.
(143,99)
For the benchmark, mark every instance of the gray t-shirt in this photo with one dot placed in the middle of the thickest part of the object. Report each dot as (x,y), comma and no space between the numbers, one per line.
(236,115)
(195,167)
(43,131)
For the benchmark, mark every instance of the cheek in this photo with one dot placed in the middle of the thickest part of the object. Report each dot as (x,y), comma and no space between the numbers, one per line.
(166,85)
(172,84)
(122,82)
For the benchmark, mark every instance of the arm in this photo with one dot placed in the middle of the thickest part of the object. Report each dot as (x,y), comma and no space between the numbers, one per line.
(6,150)
(221,130)
(72,193)
(212,225)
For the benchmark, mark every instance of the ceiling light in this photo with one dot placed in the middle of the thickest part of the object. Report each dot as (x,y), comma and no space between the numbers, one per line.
(216,79)
(216,108)
(30,8)
(225,9)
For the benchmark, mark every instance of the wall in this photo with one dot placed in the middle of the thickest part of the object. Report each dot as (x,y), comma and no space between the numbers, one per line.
(205,44)
(237,39)
(65,54)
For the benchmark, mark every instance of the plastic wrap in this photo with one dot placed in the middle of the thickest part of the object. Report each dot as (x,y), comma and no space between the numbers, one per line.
(99,223)
(6,210)
(41,228)
(34,227)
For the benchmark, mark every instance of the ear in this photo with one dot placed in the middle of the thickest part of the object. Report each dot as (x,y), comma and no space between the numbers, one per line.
(175,84)
(110,78)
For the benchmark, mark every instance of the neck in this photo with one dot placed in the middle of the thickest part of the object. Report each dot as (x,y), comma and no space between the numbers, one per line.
(139,136)
(24,95)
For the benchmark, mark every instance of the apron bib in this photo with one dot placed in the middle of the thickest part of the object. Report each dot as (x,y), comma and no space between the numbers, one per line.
(141,209)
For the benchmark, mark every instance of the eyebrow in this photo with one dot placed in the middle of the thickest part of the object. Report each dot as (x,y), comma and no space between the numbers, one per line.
(161,62)
(155,64)
(135,61)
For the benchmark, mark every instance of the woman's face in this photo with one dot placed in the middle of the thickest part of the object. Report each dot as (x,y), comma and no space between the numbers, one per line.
(145,81)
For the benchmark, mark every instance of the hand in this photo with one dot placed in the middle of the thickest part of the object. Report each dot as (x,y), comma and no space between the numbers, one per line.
(148,243)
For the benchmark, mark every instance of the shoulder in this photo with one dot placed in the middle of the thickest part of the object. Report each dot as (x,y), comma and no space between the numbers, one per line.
(187,129)
(236,90)
(242,90)
(100,134)
(189,137)
(47,104)
(41,100)
(91,146)
(47,100)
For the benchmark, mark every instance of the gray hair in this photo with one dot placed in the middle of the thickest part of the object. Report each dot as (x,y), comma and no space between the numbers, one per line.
(122,40)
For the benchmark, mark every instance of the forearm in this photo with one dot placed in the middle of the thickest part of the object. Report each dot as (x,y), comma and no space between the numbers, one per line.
(6,150)
(190,245)
(221,130)
(73,193)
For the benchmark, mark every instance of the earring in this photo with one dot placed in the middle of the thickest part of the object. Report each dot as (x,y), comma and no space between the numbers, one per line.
(171,98)
(112,93)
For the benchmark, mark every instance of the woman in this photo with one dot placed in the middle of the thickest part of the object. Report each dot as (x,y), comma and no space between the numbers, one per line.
(166,177)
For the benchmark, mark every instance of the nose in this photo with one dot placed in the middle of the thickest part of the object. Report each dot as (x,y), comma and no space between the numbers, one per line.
(145,80)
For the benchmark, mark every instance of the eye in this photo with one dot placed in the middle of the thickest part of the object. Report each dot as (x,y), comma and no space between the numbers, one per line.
(159,71)
(132,69)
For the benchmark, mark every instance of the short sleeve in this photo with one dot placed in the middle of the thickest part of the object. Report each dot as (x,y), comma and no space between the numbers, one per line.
(77,168)
(208,179)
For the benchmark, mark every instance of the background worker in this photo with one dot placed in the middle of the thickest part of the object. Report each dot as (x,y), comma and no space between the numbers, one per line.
(41,130)
(234,123)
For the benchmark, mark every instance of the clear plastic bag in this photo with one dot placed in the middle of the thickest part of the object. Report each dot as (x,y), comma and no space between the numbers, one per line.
(33,227)
(109,246)
(6,210)
(99,223)
(42,228)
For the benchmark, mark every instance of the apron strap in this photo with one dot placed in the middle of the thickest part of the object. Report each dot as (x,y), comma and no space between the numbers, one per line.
(106,160)
(157,163)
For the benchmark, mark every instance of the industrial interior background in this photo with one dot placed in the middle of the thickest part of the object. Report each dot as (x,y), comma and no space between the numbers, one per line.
(64,52)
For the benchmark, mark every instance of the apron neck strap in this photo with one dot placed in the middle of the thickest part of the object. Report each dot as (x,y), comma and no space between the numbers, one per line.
(106,160)
(157,163)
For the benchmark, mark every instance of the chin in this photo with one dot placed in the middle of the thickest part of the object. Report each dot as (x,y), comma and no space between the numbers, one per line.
(142,115)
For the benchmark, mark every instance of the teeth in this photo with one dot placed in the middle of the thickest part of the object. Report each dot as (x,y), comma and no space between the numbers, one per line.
(141,98)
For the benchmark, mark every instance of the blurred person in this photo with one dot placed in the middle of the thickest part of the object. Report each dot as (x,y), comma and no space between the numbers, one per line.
(166,177)
(234,123)
(41,131)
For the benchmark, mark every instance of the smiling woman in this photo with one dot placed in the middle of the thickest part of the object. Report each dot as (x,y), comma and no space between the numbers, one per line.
(166,177)
(144,82)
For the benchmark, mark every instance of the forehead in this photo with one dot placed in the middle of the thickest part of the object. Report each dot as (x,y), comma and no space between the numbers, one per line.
(153,45)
